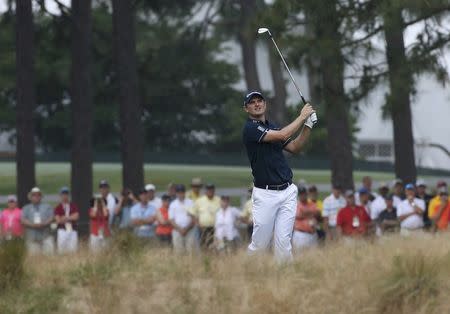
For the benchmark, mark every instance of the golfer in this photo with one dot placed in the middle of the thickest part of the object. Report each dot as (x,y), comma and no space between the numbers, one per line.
(274,196)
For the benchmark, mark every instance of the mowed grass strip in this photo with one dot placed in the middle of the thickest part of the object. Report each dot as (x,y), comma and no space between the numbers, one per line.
(52,176)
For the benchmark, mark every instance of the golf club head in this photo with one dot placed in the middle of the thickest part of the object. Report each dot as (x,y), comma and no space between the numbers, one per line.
(263,30)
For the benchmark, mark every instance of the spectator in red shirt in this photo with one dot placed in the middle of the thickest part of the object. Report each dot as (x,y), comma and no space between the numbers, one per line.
(352,220)
(10,224)
(99,226)
(164,228)
(66,216)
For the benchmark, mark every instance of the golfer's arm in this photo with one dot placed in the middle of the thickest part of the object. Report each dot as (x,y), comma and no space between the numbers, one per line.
(296,145)
(285,133)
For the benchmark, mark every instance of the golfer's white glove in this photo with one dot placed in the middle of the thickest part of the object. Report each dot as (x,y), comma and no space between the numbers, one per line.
(311,121)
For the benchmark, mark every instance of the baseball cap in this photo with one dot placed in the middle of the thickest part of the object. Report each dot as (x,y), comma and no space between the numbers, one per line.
(35,190)
(337,186)
(103,183)
(409,186)
(210,186)
(165,197)
(180,188)
(302,189)
(196,182)
(363,191)
(389,197)
(64,190)
(421,182)
(441,183)
(225,197)
(12,198)
(250,95)
(383,185)
(349,193)
(150,187)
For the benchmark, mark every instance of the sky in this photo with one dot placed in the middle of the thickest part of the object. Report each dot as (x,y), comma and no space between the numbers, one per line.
(430,107)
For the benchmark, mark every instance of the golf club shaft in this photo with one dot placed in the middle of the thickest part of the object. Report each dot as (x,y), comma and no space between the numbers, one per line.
(289,71)
(314,115)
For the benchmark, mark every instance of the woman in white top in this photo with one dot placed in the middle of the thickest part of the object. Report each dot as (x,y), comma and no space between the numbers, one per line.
(225,231)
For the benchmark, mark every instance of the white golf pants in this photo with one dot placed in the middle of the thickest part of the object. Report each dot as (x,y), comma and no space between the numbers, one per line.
(273,218)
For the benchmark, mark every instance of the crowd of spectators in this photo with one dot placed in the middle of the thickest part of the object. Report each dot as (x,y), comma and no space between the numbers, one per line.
(198,219)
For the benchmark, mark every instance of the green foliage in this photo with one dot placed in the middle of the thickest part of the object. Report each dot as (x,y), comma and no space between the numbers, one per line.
(184,87)
(33,300)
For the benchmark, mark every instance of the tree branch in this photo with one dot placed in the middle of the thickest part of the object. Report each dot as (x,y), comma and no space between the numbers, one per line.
(359,40)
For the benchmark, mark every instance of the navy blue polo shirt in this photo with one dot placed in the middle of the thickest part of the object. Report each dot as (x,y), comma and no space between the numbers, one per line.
(269,165)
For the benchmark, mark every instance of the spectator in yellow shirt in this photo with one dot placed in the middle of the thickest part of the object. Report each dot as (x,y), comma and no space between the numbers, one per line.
(313,196)
(196,186)
(246,214)
(204,212)
(441,212)
(436,201)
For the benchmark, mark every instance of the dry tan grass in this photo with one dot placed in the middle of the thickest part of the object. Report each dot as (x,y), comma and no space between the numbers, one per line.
(394,276)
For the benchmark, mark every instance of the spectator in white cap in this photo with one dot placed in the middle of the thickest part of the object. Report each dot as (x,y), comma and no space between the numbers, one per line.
(110,200)
(66,216)
(153,200)
(196,186)
(10,220)
(37,218)
(423,195)
(410,212)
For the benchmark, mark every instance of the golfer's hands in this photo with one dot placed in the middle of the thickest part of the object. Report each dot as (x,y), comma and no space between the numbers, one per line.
(306,114)
(306,111)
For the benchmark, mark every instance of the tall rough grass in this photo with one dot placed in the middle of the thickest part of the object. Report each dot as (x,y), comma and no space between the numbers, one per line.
(394,276)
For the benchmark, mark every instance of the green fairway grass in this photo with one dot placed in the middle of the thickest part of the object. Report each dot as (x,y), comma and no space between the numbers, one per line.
(51,176)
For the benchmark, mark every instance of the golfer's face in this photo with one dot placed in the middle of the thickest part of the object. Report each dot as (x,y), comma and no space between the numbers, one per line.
(256,106)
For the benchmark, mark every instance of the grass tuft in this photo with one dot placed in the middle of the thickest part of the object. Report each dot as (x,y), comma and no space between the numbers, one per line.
(12,258)
(412,284)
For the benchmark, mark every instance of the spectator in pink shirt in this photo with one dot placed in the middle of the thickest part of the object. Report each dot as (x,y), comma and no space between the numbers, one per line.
(10,224)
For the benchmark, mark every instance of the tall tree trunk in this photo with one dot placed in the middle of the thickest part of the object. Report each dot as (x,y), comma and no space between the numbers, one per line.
(247,41)
(400,82)
(130,109)
(337,107)
(278,109)
(82,111)
(25,150)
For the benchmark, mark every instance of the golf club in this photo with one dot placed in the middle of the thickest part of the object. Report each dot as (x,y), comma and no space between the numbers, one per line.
(263,30)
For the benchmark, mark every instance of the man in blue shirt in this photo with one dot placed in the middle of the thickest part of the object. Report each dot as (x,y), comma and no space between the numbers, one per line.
(274,196)
(143,217)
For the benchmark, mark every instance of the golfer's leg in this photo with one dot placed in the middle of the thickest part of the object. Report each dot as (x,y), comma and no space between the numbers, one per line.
(284,225)
(265,205)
